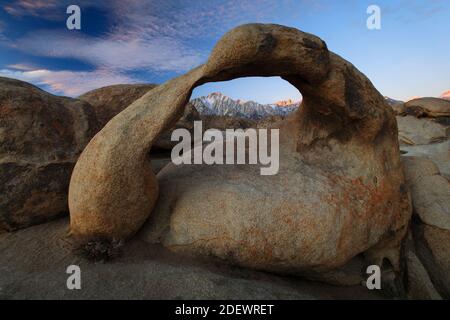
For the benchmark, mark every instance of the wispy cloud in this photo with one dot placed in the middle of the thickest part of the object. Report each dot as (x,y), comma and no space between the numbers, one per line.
(22,67)
(446,95)
(153,36)
(71,83)
(157,35)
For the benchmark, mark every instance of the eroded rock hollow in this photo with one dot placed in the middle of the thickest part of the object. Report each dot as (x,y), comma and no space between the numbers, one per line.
(339,190)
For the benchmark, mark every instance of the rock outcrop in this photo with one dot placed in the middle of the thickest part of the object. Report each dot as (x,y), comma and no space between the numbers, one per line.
(439,153)
(38,272)
(415,131)
(430,192)
(424,131)
(339,190)
(111,100)
(428,259)
(419,286)
(41,137)
(217,104)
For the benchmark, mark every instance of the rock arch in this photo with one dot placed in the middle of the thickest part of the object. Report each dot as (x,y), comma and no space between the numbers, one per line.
(340,154)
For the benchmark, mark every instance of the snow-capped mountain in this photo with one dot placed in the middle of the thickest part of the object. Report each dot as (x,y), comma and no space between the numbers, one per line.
(218,104)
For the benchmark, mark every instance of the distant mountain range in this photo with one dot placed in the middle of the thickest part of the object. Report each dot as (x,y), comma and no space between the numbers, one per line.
(220,105)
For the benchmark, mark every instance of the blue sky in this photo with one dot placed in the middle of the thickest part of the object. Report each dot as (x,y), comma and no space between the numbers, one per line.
(133,41)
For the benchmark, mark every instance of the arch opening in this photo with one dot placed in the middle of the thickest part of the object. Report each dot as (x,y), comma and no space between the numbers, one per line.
(241,103)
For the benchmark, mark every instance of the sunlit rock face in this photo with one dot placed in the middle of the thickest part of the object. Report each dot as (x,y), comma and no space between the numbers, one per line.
(41,137)
(217,104)
(446,95)
(340,187)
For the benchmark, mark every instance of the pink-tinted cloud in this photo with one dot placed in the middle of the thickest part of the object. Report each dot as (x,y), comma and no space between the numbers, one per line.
(156,35)
(446,95)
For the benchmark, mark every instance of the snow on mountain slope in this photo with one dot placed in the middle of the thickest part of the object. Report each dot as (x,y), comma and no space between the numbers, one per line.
(218,104)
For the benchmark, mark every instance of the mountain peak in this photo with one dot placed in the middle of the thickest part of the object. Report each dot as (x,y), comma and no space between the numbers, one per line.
(217,103)
(284,103)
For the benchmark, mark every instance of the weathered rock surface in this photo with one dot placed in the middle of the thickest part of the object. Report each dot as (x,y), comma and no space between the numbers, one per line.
(430,192)
(428,260)
(143,272)
(160,160)
(111,100)
(190,114)
(439,153)
(428,107)
(419,282)
(396,105)
(399,108)
(433,249)
(41,137)
(414,131)
(340,187)
(425,132)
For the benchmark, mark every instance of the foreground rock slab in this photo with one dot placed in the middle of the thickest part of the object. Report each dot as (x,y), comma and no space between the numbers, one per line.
(143,272)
